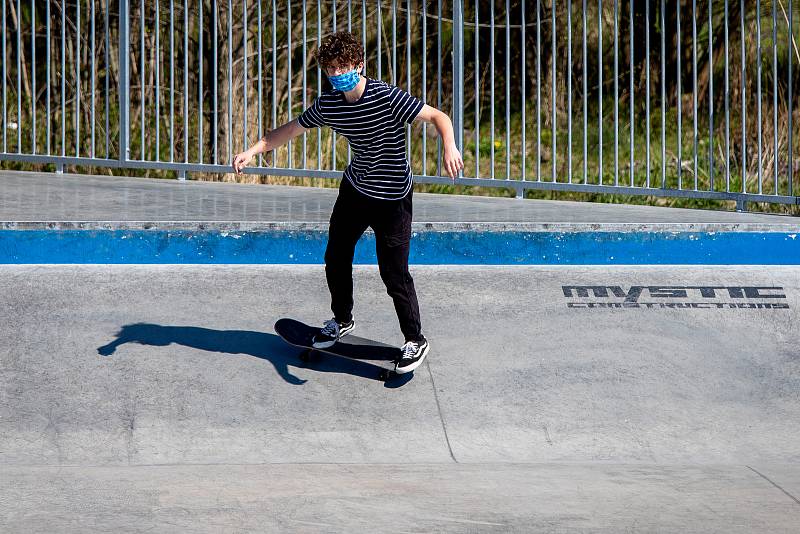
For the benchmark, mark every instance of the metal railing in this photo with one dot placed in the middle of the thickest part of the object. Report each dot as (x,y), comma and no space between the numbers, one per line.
(597,96)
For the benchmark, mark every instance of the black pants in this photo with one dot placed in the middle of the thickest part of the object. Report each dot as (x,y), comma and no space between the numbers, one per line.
(391,221)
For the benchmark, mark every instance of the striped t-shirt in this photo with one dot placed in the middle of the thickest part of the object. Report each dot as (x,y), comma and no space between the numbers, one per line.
(375,127)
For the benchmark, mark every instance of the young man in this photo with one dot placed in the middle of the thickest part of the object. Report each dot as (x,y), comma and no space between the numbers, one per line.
(376,190)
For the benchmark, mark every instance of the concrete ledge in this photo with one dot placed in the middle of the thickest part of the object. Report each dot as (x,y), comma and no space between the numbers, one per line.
(256,226)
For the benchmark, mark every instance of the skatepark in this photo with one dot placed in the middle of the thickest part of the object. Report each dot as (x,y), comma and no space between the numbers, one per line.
(153,394)
(605,250)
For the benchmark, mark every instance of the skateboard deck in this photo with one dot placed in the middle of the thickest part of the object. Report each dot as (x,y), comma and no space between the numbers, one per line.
(350,346)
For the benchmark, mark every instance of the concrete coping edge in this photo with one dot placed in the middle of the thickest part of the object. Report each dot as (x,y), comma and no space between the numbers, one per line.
(261,226)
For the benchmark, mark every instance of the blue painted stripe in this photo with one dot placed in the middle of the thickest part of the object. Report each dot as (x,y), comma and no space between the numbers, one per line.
(462,247)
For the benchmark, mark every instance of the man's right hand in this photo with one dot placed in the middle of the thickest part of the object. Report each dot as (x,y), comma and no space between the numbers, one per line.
(240,161)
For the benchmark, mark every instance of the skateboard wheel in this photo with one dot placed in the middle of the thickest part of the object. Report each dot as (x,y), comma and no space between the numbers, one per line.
(386,375)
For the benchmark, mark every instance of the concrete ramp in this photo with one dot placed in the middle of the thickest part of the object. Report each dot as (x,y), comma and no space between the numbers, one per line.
(621,376)
(558,399)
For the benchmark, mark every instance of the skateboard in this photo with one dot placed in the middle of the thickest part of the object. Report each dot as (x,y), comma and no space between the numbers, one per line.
(350,346)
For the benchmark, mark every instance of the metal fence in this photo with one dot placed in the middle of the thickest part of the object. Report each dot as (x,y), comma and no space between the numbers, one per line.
(598,96)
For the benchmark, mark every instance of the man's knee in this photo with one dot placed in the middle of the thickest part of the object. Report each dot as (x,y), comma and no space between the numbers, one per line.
(396,281)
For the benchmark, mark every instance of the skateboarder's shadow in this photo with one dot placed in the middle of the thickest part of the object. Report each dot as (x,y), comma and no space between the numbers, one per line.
(259,344)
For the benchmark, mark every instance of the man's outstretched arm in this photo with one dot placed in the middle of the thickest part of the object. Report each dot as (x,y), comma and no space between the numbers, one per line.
(452,157)
(273,139)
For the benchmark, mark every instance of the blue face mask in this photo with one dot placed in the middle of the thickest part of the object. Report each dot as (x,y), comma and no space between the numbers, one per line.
(347,81)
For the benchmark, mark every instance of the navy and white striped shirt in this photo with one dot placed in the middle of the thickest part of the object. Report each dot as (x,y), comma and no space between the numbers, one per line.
(375,127)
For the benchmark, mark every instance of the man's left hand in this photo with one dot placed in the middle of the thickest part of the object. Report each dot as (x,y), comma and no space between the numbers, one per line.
(452,161)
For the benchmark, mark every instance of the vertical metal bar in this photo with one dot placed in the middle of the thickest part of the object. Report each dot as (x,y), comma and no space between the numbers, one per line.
(158,81)
(124,82)
(214,127)
(569,90)
(476,77)
(744,101)
(47,93)
(439,88)
(33,73)
(758,88)
(77,78)
(727,108)
(215,96)
(185,81)
(260,87)
(305,137)
(491,90)
(524,78)
(694,86)
(791,101)
(663,100)
(244,71)
(19,83)
(274,69)
(538,92)
(647,93)
(107,80)
(408,74)
(554,159)
(319,77)
(5,90)
(200,79)
(616,92)
(585,101)
(508,92)
(172,80)
(394,42)
(93,74)
(230,82)
(141,74)
(19,78)
(290,75)
(333,134)
(710,98)
(600,91)
(364,33)
(679,105)
(380,31)
(424,81)
(63,77)
(630,45)
(775,94)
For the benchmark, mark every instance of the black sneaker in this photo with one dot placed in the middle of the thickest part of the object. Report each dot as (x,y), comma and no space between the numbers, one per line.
(413,354)
(332,332)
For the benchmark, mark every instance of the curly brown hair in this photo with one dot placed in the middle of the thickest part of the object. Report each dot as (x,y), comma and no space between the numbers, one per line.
(339,48)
